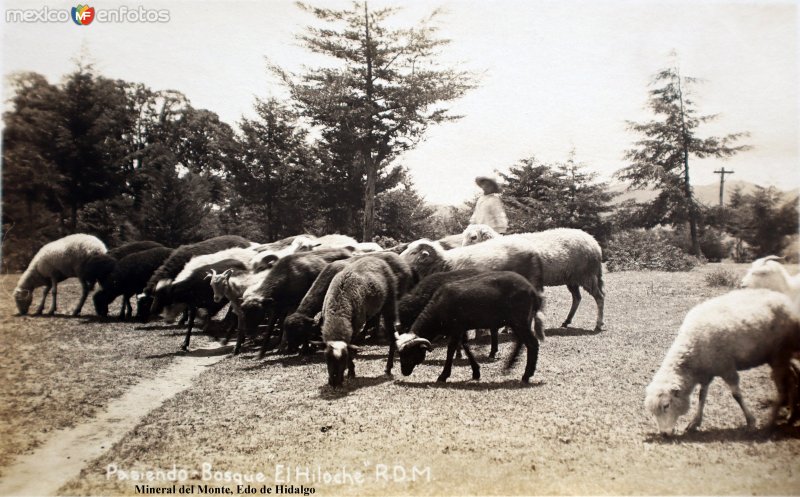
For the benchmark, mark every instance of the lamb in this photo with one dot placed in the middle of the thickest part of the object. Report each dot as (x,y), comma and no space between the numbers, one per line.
(175,263)
(301,326)
(53,263)
(129,277)
(193,290)
(569,257)
(508,253)
(284,288)
(410,306)
(719,337)
(489,300)
(232,284)
(364,289)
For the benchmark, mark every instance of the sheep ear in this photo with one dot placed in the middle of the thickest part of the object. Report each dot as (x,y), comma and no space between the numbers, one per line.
(317,343)
(353,348)
(227,274)
(208,276)
(424,254)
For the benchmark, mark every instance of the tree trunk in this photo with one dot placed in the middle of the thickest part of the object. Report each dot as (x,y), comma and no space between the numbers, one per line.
(73,221)
(692,211)
(369,198)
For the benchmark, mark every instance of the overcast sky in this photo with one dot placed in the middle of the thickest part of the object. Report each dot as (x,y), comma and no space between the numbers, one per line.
(555,75)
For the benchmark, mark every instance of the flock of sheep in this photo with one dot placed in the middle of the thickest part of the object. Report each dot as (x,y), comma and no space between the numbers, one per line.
(327,292)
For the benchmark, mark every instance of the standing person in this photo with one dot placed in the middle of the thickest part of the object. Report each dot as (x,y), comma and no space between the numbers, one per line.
(489,208)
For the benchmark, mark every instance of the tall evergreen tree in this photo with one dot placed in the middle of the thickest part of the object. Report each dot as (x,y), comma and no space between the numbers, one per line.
(661,157)
(382,96)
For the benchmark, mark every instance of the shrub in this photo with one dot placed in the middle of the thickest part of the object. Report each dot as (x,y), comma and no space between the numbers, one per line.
(636,250)
(713,246)
(722,277)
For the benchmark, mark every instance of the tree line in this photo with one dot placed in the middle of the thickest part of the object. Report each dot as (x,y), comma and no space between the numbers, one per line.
(124,161)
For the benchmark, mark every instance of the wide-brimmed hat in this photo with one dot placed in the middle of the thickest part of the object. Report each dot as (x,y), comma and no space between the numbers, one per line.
(489,179)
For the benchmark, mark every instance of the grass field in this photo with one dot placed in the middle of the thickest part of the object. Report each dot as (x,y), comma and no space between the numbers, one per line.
(579,428)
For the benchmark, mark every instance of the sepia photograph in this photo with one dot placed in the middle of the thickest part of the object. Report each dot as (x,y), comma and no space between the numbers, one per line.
(400,248)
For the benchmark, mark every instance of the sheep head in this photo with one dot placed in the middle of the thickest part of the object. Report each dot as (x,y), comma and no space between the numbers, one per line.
(477,233)
(219,282)
(299,329)
(424,257)
(412,350)
(100,300)
(338,356)
(667,403)
(23,297)
(768,273)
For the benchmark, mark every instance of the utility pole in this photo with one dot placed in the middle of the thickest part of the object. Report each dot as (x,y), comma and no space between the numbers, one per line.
(722,172)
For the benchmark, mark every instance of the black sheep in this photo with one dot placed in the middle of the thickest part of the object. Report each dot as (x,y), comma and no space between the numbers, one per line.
(283,289)
(195,292)
(150,303)
(99,267)
(300,327)
(489,300)
(410,306)
(129,278)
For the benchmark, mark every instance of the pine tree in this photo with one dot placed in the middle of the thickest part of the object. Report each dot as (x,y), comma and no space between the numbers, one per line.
(661,157)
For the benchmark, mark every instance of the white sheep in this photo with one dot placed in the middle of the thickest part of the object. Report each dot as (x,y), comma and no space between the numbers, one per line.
(367,248)
(733,332)
(570,257)
(244,255)
(333,241)
(265,259)
(55,262)
(768,272)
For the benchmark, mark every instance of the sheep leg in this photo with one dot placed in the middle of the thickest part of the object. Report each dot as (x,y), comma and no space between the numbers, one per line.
(782,376)
(576,301)
(122,310)
(464,339)
(351,366)
(40,309)
(128,305)
(599,295)
(452,345)
(53,300)
(192,312)
(493,350)
(698,417)
(476,370)
(273,318)
(389,315)
(84,293)
(732,381)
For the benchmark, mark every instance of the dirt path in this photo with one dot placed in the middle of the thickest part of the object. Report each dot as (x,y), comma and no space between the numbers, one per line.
(63,456)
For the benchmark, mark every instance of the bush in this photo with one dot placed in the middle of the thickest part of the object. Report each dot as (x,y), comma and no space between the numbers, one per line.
(713,246)
(722,277)
(636,250)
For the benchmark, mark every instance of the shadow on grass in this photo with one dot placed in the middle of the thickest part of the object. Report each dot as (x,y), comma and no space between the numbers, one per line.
(283,360)
(570,332)
(218,351)
(738,434)
(157,327)
(482,385)
(327,392)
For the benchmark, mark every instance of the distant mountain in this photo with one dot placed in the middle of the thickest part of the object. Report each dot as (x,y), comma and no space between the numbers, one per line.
(707,194)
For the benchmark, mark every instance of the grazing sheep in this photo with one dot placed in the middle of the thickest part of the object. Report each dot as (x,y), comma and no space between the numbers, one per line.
(265,259)
(232,284)
(569,257)
(300,327)
(148,301)
(283,243)
(100,266)
(333,241)
(508,253)
(489,300)
(410,306)
(53,263)
(283,288)
(193,290)
(129,277)
(364,289)
(730,333)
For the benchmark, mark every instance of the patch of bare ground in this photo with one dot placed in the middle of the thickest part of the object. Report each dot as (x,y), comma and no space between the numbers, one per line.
(57,372)
(580,428)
